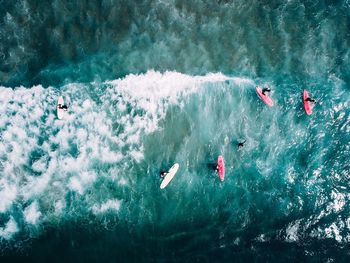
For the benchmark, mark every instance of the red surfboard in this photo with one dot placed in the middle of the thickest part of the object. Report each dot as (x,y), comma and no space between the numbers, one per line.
(221,168)
(307,105)
(265,98)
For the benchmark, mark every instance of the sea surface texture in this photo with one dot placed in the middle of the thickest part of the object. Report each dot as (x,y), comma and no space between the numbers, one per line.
(150,83)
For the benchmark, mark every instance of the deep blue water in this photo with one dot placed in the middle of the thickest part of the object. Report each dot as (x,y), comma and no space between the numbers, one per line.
(151,83)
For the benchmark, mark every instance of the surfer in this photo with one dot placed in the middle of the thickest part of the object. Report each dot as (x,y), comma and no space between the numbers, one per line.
(168,176)
(262,94)
(265,90)
(241,144)
(217,168)
(310,100)
(62,107)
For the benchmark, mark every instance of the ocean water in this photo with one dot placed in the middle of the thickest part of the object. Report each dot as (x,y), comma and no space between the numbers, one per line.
(151,83)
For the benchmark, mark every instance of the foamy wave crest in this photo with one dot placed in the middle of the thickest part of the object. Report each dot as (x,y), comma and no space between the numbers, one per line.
(153,91)
(43,160)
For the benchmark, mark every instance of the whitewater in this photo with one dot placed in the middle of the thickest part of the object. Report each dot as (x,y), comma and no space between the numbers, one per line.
(151,83)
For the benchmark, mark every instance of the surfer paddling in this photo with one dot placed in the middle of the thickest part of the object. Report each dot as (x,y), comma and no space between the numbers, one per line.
(168,176)
(62,107)
(262,94)
(310,100)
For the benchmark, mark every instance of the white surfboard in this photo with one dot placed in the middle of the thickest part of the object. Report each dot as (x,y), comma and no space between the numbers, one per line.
(60,112)
(170,175)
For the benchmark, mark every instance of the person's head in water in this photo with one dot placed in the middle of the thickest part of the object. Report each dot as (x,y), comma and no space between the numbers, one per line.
(162,174)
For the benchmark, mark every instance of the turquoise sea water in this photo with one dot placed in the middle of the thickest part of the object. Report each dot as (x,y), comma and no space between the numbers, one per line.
(151,83)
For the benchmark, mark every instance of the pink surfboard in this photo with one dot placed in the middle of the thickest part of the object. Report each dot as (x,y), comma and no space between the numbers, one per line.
(265,98)
(221,168)
(307,105)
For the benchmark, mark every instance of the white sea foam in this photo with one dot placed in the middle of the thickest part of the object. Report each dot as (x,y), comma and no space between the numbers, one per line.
(291,174)
(32,213)
(113,204)
(8,193)
(40,165)
(59,206)
(122,181)
(338,202)
(9,229)
(292,231)
(333,231)
(75,185)
(35,186)
(80,183)
(66,154)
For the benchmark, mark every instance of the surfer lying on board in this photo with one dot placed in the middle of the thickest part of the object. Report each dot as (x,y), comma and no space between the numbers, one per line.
(62,107)
(310,100)
(265,90)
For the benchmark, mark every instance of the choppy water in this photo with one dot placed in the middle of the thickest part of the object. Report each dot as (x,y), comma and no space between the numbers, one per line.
(150,83)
